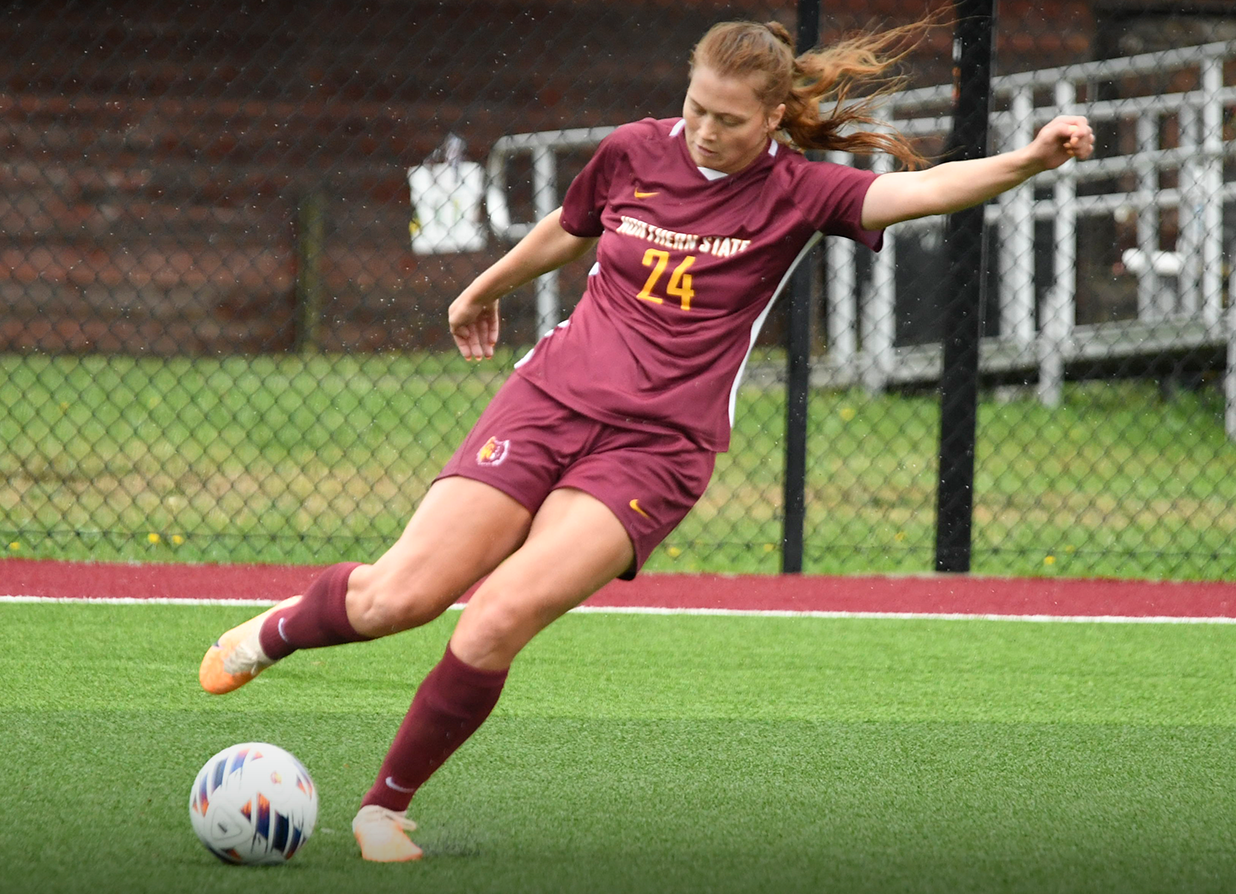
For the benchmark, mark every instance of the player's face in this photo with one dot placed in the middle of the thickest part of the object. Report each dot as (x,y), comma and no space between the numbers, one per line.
(727,125)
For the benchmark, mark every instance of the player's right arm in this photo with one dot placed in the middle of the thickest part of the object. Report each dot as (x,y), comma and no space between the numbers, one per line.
(954,186)
(473,316)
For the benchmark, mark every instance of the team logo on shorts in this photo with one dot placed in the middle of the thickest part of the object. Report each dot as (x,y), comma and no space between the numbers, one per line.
(492,452)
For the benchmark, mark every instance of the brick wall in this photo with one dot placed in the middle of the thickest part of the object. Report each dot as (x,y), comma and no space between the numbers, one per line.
(154,154)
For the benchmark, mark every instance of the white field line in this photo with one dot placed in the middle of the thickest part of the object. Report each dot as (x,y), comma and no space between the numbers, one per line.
(717,612)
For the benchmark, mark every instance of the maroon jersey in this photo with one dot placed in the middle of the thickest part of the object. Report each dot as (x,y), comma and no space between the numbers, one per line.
(687,270)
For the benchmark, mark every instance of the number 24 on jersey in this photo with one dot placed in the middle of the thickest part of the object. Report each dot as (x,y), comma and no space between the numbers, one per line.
(679,285)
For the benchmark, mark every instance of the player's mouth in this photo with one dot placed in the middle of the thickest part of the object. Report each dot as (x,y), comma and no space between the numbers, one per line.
(706,153)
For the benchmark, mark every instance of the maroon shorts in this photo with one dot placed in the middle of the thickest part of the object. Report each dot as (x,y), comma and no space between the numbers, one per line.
(527,444)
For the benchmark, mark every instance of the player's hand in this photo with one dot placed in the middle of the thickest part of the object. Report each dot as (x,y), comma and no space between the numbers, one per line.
(1062,138)
(474,326)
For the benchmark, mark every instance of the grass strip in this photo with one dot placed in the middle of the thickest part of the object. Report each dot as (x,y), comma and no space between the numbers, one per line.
(636,753)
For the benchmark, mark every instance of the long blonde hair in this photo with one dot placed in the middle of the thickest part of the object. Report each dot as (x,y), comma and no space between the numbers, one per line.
(854,76)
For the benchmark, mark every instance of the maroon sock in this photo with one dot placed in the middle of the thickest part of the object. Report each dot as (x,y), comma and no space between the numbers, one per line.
(319,619)
(454,699)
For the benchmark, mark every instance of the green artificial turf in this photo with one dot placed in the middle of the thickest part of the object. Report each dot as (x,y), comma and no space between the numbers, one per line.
(648,753)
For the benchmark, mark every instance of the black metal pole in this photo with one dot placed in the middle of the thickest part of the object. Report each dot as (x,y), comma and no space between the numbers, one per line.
(798,365)
(964,293)
(310,237)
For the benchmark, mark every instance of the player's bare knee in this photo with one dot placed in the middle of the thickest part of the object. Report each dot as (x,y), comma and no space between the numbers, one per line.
(495,630)
(500,624)
(381,602)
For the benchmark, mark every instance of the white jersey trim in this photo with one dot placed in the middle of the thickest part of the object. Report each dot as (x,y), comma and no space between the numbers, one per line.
(524,359)
(759,321)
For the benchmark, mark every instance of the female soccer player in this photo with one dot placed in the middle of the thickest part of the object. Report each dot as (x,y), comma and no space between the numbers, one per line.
(605,435)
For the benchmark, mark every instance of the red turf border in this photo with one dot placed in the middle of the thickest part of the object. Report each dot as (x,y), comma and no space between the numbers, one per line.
(943,594)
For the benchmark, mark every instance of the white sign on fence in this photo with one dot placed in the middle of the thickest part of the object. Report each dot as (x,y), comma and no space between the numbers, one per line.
(446,202)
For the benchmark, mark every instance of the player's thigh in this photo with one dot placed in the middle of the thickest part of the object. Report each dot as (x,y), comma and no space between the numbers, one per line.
(574,547)
(459,533)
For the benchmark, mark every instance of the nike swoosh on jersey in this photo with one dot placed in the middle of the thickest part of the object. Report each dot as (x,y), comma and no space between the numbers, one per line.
(634,504)
(645,195)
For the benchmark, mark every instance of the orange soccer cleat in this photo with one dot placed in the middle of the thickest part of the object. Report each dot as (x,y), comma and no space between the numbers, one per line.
(380,832)
(237,656)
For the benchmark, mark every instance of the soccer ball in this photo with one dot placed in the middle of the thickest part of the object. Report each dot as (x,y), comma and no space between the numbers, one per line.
(253,803)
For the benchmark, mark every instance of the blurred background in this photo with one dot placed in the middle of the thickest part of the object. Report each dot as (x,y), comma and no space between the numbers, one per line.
(232,230)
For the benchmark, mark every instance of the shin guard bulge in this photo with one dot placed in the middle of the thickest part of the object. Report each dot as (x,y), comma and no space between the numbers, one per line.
(452,702)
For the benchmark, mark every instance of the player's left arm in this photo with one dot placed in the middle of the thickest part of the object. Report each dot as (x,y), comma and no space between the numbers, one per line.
(956,185)
(473,316)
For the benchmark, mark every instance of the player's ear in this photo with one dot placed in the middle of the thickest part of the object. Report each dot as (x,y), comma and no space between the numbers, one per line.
(775,116)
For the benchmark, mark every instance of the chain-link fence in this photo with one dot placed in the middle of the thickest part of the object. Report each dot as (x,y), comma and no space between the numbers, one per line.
(220,339)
